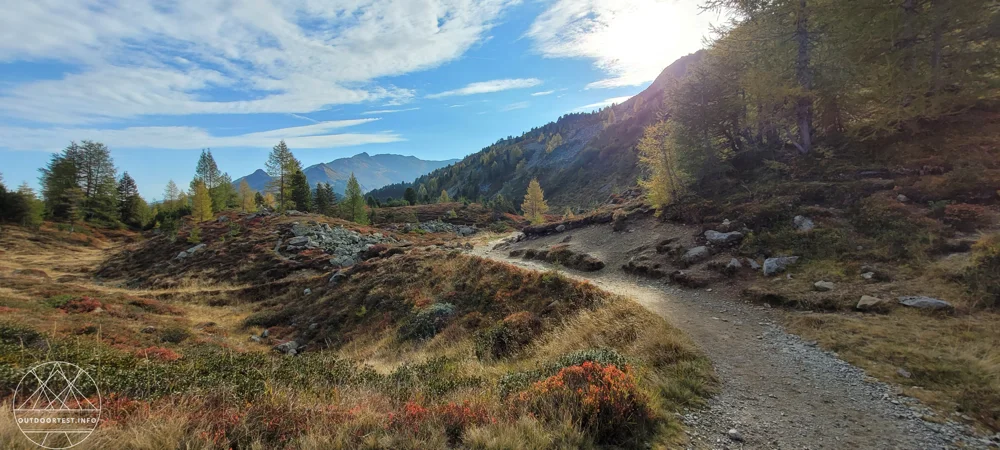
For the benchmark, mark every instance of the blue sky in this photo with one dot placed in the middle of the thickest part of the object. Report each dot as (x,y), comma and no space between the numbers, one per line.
(158,80)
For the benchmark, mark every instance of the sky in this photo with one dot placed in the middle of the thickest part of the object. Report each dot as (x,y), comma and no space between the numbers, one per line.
(159,80)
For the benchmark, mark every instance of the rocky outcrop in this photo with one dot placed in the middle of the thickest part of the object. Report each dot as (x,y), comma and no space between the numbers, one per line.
(718,238)
(803,223)
(344,245)
(925,303)
(191,251)
(561,254)
(774,266)
(869,303)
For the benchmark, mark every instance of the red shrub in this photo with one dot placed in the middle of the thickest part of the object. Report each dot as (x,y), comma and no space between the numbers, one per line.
(159,354)
(605,400)
(120,410)
(458,417)
(81,305)
(966,217)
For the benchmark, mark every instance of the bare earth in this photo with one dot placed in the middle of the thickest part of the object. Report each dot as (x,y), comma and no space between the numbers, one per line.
(777,391)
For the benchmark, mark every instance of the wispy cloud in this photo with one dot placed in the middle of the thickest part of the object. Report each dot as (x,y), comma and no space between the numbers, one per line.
(388,111)
(136,58)
(601,104)
(318,135)
(539,94)
(298,116)
(513,106)
(631,41)
(484,87)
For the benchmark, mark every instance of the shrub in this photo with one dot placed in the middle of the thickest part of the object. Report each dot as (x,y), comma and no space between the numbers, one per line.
(174,335)
(194,237)
(604,399)
(508,336)
(59,301)
(966,217)
(427,322)
(457,417)
(602,356)
(888,221)
(983,275)
(159,354)
(81,305)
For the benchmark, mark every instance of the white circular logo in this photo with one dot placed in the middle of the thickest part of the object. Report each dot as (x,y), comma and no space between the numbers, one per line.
(57,405)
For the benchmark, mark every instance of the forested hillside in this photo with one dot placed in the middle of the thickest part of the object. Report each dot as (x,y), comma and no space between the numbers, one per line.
(579,159)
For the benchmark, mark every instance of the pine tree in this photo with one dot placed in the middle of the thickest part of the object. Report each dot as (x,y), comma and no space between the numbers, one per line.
(444,197)
(281,164)
(353,205)
(58,178)
(247,197)
(224,195)
(410,196)
(201,207)
(129,208)
(300,194)
(96,177)
(324,199)
(534,205)
(258,199)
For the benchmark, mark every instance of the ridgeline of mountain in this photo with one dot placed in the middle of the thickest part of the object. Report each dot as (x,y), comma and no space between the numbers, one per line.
(372,171)
(579,159)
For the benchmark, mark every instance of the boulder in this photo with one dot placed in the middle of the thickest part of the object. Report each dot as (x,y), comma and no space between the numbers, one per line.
(773,266)
(803,223)
(337,278)
(256,339)
(823,286)
(342,261)
(717,238)
(560,228)
(464,231)
(734,265)
(307,291)
(902,198)
(754,265)
(925,303)
(196,248)
(290,348)
(696,255)
(869,303)
(298,240)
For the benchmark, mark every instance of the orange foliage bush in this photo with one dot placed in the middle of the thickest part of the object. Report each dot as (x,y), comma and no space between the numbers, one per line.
(966,217)
(81,305)
(604,400)
(159,354)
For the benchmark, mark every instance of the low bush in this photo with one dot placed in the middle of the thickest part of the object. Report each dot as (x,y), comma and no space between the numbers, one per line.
(174,335)
(904,235)
(603,399)
(966,217)
(507,337)
(426,323)
(81,305)
(982,276)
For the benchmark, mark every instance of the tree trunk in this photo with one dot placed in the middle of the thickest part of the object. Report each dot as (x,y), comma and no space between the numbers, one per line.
(937,41)
(803,108)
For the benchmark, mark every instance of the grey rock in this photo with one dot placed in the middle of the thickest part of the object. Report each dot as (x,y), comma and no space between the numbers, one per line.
(717,238)
(902,198)
(868,303)
(734,435)
(265,333)
(560,228)
(734,264)
(803,223)
(181,255)
(222,219)
(464,231)
(307,291)
(196,248)
(337,278)
(148,330)
(342,261)
(696,254)
(298,240)
(256,339)
(292,212)
(313,326)
(289,348)
(773,266)
(904,373)
(926,303)
(868,275)
(823,286)
(753,264)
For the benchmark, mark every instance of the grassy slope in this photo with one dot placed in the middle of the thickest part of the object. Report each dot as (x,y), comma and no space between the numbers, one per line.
(196,381)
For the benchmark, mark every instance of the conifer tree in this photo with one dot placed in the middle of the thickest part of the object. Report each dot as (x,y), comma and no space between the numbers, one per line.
(534,205)
(281,165)
(410,196)
(129,206)
(422,196)
(301,196)
(444,197)
(353,206)
(170,196)
(248,197)
(201,207)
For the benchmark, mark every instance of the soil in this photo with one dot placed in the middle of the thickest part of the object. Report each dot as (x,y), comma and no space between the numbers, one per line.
(777,390)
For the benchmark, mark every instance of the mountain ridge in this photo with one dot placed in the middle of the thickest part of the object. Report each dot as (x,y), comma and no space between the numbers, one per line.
(372,171)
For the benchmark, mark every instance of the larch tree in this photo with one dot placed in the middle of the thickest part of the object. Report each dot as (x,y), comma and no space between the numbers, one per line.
(170,196)
(534,206)
(281,165)
(444,198)
(353,206)
(247,197)
(201,202)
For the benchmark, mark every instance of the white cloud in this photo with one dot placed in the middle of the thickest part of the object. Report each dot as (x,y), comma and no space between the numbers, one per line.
(388,111)
(317,135)
(601,104)
(513,106)
(146,57)
(538,94)
(630,40)
(484,87)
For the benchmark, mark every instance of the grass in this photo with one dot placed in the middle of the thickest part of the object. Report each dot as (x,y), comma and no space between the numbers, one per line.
(196,381)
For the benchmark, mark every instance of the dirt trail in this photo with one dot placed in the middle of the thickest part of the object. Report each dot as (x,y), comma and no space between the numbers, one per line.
(778,391)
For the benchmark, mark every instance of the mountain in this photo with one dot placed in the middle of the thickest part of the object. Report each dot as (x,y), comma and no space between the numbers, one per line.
(579,159)
(372,171)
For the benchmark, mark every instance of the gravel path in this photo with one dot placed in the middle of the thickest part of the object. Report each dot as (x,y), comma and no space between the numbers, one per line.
(778,391)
